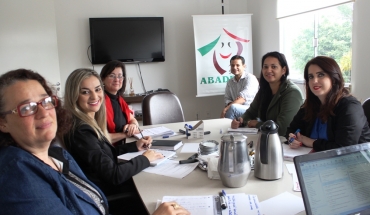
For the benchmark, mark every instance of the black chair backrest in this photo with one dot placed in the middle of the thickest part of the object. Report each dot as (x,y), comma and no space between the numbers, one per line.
(160,108)
(366,107)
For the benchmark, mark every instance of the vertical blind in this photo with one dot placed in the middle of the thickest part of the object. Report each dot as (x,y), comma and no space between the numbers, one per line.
(287,8)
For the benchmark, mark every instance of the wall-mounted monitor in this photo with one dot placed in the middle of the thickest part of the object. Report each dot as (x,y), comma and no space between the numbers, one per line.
(127,39)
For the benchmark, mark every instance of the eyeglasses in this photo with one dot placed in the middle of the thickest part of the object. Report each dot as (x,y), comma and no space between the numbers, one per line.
(113,76)
(31,108)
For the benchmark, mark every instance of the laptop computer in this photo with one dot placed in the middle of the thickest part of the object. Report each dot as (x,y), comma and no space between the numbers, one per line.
(336,181)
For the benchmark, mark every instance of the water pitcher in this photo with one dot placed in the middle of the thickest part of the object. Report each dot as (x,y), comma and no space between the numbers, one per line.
(233,165)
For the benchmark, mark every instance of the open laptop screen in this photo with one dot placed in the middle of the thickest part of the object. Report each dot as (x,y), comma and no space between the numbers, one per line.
(336,181)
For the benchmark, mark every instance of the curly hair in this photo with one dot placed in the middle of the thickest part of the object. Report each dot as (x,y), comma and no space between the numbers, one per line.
(63,116)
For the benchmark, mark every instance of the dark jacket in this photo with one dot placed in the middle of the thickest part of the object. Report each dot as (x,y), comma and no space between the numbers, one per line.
(98,158)
(347,127)
(29,186)
(285,103)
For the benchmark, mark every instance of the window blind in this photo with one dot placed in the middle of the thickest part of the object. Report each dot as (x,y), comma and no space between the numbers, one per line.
(287,8)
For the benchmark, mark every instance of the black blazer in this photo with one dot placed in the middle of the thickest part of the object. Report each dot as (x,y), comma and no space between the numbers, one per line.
(98,159)
(347,127)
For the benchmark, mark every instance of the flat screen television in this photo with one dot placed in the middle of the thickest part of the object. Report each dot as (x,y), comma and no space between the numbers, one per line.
(127,39)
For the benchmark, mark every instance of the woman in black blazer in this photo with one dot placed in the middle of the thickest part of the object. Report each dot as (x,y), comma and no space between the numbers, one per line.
(88,141)
(330,117)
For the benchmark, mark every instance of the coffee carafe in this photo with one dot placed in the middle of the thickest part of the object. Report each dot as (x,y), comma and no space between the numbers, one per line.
(268,163)
(233,165)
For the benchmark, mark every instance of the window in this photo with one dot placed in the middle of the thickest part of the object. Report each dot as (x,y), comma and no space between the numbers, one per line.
(322,32)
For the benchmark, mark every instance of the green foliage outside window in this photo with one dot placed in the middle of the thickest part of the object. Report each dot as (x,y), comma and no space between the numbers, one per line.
(334,40)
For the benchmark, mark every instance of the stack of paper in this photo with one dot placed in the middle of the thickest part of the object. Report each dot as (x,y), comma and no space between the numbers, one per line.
(166,154)
(239,203)
(155,132)
(289,153)
(243,130)
(166,144)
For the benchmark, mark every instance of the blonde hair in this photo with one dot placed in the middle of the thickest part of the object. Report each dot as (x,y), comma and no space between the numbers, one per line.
(71,95)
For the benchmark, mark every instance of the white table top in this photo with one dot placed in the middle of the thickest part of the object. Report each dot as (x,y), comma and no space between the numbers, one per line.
(153,187)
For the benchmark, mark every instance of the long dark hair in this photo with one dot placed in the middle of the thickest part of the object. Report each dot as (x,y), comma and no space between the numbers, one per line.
(11,77)
(265,92)
(108,69)
(312,103)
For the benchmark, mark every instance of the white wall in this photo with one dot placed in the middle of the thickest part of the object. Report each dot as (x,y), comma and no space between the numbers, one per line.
(28,37)
(53,36)
(177,73)
(361,50)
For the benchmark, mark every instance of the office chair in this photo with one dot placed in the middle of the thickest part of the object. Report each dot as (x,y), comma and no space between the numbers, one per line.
(160,108)
(366,107)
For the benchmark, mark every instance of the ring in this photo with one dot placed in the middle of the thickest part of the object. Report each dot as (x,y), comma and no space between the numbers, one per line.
(175,206)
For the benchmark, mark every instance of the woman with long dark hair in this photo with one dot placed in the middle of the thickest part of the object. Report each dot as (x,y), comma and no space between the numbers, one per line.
(278,99)
(330,117)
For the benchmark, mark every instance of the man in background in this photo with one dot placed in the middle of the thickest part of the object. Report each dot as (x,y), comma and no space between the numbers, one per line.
(240,90)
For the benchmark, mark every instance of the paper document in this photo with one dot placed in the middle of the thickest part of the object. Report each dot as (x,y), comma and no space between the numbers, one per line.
(289,153)
(243,130)
(173,169)
(190,148)
(240,203)
(292,171)
(155,132)
(285,203)
(166,154)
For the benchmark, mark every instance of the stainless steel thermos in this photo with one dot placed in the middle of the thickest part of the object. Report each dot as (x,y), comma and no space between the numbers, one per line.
(233,165)
(268,163)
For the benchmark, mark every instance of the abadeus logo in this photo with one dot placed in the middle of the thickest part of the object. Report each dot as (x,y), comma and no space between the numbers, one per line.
(225,46)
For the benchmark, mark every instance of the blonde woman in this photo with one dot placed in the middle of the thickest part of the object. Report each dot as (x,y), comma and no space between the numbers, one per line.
(88,141)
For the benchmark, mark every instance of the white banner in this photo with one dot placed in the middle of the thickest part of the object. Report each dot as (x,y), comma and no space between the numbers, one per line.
(217,39)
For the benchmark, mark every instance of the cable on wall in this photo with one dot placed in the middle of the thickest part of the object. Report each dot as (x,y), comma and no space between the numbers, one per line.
(141,78)
(222,6)
(88,57)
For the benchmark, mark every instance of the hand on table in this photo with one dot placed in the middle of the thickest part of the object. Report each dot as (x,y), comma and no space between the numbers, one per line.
(152,155)
(170,208)
(296,143)
(236,123)
(252,123)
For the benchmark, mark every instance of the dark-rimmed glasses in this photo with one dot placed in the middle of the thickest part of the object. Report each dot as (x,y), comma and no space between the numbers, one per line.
(113,76)
(31,108)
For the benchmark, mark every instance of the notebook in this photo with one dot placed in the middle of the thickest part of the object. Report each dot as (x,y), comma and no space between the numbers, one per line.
(155,132)
(166,154)
(336,181)
(166,144)
(243,130)
(238,203)
(289,153)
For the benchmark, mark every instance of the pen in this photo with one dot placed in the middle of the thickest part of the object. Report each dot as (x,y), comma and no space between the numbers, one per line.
(166,136)
(295,134)
(142,136)
(223,199)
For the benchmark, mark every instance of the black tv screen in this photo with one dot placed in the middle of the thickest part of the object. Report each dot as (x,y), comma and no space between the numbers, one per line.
(127,39)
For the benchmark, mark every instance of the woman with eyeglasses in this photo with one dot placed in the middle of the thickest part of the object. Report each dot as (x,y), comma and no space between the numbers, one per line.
(121,123)
(36,178)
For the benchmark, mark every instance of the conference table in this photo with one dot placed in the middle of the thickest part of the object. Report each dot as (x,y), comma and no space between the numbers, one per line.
(153,187)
